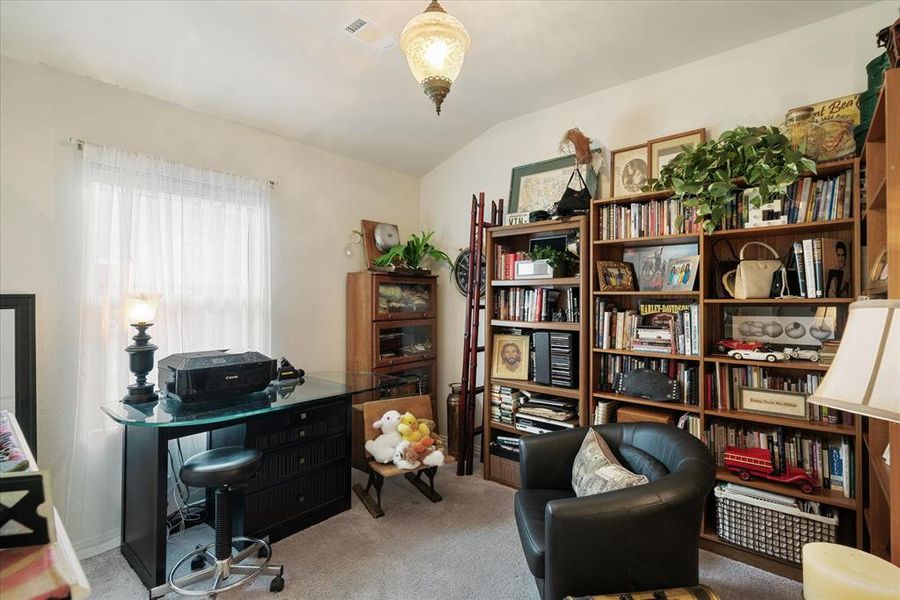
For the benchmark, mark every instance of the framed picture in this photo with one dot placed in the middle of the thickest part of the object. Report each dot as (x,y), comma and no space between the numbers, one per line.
(650,263)
(784,330)
(837,117)
(628,170)
(615,276)
(681,273)
(511,357)
(540,185)
(661,150)
(773,402)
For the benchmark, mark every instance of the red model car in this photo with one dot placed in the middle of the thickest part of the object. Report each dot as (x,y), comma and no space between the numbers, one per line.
(723,346)
(747,462)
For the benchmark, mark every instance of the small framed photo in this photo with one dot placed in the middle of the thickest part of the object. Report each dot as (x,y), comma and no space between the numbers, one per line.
(615,276)
(511,355)
(681,273)
(662,150)
(628,170)
(773,402)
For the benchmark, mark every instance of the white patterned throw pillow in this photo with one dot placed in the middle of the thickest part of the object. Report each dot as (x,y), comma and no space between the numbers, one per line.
(596,469)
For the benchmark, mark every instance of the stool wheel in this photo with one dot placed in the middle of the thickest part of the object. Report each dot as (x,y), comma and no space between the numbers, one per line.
(277,584)
(197,563)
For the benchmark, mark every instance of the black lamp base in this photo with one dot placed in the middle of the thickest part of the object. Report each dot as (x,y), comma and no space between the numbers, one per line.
(139,394)
(140,361)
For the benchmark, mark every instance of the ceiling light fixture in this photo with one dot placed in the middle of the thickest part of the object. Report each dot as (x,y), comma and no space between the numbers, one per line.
(435,45)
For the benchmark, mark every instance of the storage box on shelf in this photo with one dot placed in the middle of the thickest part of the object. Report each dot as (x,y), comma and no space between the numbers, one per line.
(835,217)
(533,307)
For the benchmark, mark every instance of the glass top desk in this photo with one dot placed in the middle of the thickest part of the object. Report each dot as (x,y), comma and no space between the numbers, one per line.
(303,431)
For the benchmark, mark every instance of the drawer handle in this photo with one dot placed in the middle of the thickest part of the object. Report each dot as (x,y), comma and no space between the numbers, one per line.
(302,416)
(302,432)
(301,499)
(302,460)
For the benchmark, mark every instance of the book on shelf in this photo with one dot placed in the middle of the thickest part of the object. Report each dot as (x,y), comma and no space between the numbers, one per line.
(504,403)
(505,267)
(610,365)
(829,458)
(809,199)
(531,424)
(508,442)
(674,330)
(554,414)
(691,424)
(822,267)
(647,219)
(605,412)
(536,305)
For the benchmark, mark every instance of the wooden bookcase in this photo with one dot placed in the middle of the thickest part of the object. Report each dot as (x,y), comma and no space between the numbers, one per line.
(711,329)
(881,227)
(517,237)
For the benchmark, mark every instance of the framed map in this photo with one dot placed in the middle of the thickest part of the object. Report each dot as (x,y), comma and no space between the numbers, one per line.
(540,185)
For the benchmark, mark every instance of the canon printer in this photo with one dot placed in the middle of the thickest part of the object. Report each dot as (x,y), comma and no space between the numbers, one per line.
(213,374)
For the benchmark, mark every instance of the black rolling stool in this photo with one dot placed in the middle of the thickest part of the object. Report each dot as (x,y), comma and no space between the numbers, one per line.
(224,469)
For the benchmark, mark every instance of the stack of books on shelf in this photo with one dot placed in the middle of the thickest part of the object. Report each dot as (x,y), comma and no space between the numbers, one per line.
(675,332)
(507,442)
(540,414)
(822,267)
(611,365)
(505,269)
(830,458)
(537,304)
(691,424)
(504,402)
(605,412)
(828,351)
(647,219)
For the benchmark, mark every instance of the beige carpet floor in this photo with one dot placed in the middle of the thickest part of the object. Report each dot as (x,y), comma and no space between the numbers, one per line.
(465,547)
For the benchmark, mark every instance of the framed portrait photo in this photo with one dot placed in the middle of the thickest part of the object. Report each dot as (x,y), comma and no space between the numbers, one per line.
(681,273)
(628,170)
(511,357)
(615,276)
(661,150)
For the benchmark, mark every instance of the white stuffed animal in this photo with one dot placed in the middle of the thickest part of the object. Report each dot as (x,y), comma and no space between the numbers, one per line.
(382,448)
(405,456)
(435,459)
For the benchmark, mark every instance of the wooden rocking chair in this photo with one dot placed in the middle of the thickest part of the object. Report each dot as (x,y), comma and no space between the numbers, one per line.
(420,406)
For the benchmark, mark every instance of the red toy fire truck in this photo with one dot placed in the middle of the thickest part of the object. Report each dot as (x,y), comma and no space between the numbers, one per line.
(748,462)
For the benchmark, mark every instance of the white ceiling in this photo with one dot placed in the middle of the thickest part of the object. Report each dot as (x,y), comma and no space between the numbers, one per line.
(288,68)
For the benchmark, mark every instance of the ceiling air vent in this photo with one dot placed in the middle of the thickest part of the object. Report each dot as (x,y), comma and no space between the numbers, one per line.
(373,35)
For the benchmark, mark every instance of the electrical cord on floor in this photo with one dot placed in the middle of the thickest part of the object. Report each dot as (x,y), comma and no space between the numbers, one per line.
(185,513)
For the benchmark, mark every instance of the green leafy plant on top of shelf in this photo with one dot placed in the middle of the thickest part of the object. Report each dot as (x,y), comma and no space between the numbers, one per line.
(702,175)
(413,253)
(562,261)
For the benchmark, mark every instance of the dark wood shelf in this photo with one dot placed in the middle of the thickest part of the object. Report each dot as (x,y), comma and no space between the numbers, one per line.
(830,497)
(656,240)
(551,325)
(849,430)
(537,227)
(654,294)
(675,406)
(785,301)
(557,281)
(800,365)
(788,229)
(647,354)
(507,428)
(531,386)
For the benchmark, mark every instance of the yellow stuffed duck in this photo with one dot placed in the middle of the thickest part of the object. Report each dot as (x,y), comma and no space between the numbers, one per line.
(411,429)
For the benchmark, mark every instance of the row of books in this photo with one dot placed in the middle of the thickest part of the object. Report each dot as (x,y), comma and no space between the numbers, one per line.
(819,199)
(504,402)
(610,365)
(647,219)
(663,332)
(539,413)
(822,267)
(505,268)
(537,304)
(830,458)
(691,424)
(509,443)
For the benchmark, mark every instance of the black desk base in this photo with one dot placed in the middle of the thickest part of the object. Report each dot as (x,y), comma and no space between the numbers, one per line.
(305,477)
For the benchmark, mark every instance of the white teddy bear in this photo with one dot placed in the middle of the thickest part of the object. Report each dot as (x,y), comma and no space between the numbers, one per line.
(382,448)
(405,457)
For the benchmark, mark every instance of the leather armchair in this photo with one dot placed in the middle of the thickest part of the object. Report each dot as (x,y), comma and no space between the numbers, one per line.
(639,538)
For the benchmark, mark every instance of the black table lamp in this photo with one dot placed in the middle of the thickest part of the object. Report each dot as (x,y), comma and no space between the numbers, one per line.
(141,310)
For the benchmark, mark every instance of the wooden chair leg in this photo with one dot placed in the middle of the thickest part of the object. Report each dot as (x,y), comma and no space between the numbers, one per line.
(426,489)
(373,505)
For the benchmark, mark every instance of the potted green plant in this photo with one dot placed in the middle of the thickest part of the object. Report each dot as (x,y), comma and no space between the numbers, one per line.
(413,253)
(706,175)
(563,262)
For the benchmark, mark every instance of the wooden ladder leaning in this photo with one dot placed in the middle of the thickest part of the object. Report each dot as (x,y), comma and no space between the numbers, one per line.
(469,389)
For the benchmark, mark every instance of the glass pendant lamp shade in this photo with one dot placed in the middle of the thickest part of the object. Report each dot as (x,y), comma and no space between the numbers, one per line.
(435,45)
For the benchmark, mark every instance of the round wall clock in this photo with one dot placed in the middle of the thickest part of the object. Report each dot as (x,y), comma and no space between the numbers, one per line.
(461,272)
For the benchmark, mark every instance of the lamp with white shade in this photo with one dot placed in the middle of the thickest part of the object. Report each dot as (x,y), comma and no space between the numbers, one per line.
(141,311)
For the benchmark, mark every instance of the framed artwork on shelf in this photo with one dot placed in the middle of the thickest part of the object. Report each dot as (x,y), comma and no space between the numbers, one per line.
(650,263)
(783,327)
(661,150)
(615,276)
(773,402)
(628,170)
(681,273)
(511,357)
(540,185)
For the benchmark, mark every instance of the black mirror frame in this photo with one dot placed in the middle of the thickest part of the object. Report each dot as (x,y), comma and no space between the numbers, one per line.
(25,349)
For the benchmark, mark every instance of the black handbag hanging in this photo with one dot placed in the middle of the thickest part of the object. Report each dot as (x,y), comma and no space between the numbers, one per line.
(574,202)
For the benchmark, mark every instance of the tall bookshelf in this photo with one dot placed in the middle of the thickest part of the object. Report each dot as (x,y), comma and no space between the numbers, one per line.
(517,237)
(711,311)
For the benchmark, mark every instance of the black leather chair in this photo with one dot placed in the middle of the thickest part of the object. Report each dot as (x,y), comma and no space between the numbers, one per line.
(639,538)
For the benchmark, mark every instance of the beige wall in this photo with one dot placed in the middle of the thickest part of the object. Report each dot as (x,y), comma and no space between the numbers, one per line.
(751,85)
(319,199)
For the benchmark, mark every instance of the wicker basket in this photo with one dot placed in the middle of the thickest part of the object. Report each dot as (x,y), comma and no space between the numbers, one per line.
(769,528)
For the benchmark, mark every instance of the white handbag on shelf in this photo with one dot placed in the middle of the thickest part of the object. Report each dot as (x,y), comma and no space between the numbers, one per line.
(753,277)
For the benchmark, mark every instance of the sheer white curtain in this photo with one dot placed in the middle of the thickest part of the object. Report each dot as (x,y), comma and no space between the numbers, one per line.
(198,237)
